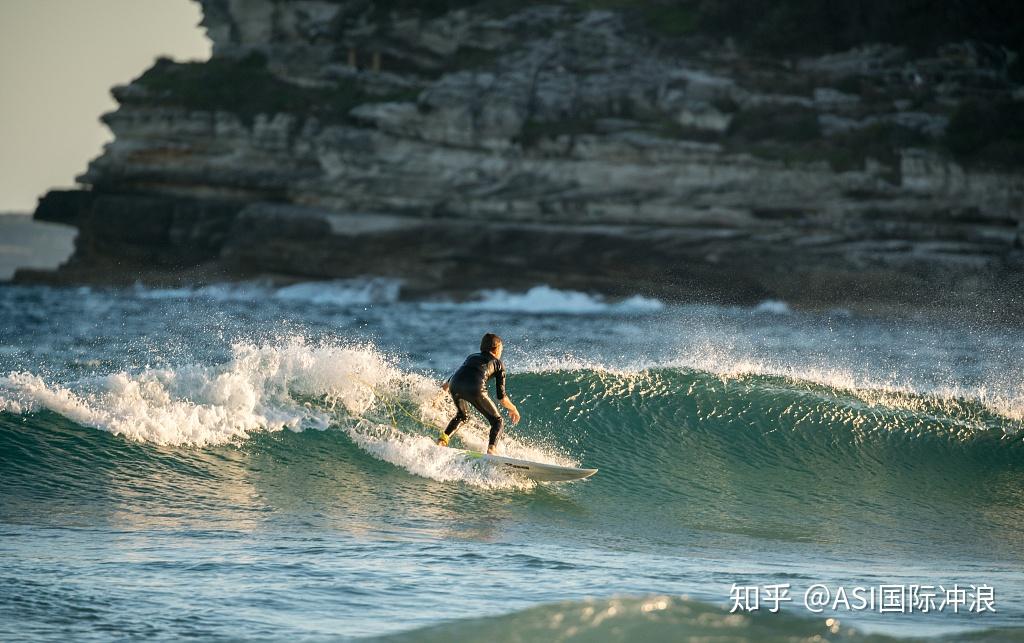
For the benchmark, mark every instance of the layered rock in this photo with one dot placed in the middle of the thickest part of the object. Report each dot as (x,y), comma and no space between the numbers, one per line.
(547,143)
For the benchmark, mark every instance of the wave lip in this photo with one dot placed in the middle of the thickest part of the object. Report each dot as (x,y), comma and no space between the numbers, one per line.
(545,299)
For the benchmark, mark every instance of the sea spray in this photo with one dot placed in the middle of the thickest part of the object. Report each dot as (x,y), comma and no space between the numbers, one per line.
(261,387)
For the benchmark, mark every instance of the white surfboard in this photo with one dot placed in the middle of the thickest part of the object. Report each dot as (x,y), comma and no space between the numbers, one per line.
(539,471)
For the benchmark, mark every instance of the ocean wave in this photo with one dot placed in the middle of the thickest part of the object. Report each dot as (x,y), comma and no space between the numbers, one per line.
(259,388)
(677,448)
(343,292)
(214,292)
(999,394)
(294,384)
(291,384)
(651,618)
(366,291)
(545,299)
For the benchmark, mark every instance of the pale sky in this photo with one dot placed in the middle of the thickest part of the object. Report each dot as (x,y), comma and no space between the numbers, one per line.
(58,61)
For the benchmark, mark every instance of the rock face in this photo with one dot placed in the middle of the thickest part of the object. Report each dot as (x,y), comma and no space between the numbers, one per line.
(551,144)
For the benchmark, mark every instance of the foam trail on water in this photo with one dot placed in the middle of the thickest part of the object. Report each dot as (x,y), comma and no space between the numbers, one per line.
(418,454)
(419,401)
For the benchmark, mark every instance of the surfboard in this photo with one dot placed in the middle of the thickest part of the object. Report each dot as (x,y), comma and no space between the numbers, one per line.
(539,471)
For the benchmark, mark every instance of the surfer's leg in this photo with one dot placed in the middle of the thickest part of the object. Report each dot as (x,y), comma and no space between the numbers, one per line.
(461,415)
(485,405)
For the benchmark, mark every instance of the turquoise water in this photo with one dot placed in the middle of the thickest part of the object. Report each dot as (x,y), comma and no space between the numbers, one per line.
(250,462)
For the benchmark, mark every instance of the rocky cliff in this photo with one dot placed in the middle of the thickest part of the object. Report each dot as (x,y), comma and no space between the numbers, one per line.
(599,146)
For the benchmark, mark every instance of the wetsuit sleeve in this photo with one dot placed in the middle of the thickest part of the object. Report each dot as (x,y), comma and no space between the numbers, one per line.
(499,379)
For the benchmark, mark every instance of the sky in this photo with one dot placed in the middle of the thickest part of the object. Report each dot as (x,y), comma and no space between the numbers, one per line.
(58,61)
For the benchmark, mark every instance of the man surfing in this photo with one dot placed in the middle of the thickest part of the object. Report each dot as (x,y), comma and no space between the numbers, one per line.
(468,385)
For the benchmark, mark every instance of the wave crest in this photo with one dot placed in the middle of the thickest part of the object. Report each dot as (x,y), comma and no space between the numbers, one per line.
(260,388)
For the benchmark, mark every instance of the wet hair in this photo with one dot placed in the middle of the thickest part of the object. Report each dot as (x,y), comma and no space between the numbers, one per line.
(489,343)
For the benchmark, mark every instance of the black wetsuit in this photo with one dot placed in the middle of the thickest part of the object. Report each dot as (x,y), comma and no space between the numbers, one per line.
(468,385)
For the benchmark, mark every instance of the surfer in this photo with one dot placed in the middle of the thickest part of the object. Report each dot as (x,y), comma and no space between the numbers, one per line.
(468,385)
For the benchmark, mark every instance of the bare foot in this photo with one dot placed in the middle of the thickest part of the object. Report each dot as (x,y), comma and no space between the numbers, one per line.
(492,450)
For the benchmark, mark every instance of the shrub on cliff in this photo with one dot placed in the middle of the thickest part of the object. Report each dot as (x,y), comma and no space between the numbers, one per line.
(244,87)
(814,26)
(988,132)
(776,122)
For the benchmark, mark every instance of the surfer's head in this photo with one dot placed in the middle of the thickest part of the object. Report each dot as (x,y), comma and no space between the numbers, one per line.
(492,344)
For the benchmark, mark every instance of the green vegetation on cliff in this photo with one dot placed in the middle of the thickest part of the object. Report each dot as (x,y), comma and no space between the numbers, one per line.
(246,87)
(818,26)
(814,26)
(987,128)
(779,26)
(988,133)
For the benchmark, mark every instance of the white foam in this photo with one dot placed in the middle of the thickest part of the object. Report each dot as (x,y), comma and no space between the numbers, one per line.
(773,307)
(421,400)
(365,291)
(419,455)
(545,299)
(260,388)
(215,292)
(342,292)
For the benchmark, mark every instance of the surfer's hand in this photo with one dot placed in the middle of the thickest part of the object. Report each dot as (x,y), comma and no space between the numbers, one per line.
(513,412)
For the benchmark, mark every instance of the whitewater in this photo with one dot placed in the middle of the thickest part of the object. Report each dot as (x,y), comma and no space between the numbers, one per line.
(254,461)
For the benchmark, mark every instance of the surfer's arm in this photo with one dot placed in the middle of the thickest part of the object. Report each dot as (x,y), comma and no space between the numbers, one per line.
(499,380)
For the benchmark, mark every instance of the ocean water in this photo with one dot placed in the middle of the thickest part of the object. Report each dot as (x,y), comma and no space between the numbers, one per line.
(249,462)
